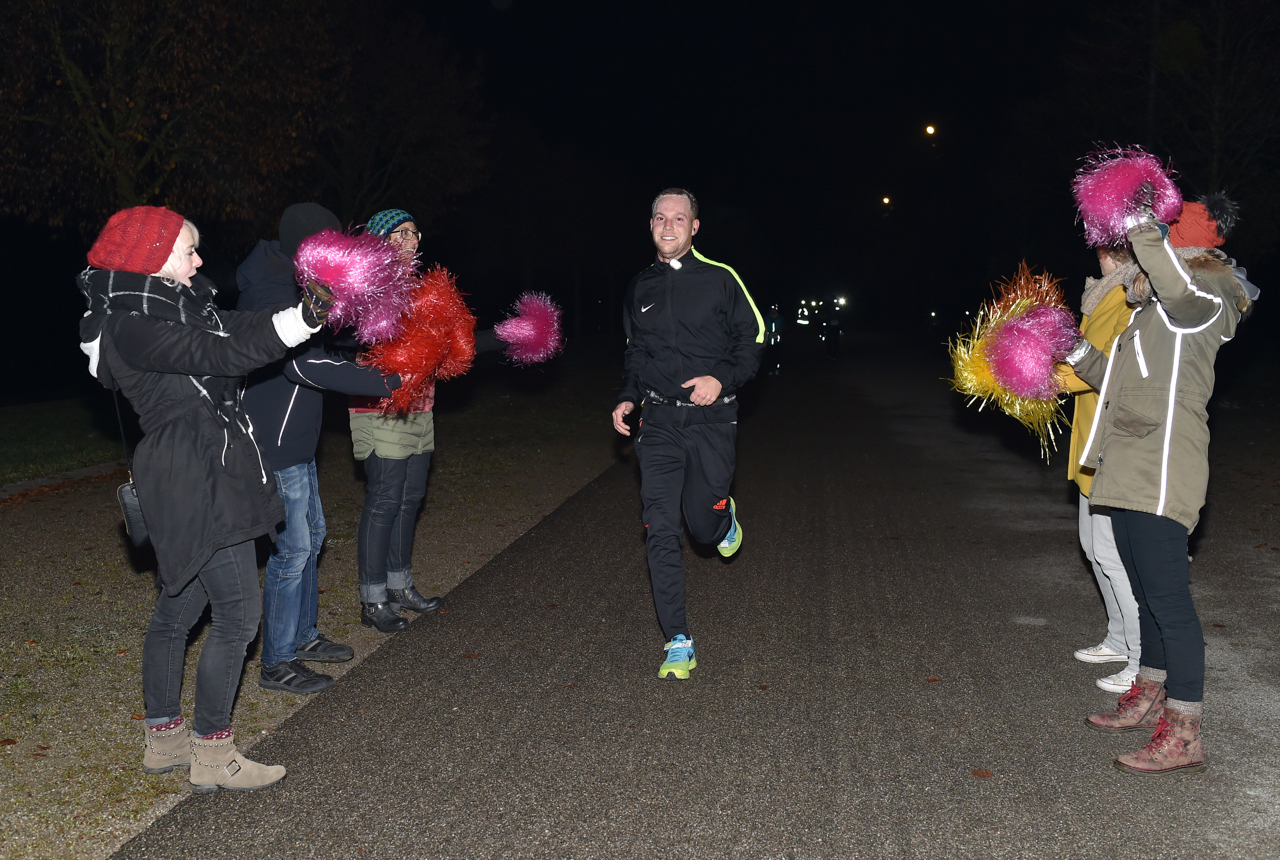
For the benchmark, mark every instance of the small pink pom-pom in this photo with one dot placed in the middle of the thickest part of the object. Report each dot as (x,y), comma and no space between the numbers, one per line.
(533,335)
(1105,188)
(1024,351)
(369,280)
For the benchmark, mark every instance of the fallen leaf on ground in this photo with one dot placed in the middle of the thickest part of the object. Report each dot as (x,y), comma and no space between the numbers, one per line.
(983,774)
(123,651)
(31,642)
(471,656)
(137,716)
(933,679)
(7,742)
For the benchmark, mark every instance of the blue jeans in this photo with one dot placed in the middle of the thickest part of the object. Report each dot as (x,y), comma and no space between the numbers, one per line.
(290,592)
(228,583)
(385,542)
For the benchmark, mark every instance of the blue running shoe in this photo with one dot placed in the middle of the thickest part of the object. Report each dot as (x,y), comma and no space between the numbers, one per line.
(679,659)
(733,539)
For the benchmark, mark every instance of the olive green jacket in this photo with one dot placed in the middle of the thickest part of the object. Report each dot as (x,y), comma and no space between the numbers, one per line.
(1149,442)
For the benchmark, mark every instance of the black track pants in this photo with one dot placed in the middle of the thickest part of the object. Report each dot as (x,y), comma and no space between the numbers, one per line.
(682,467)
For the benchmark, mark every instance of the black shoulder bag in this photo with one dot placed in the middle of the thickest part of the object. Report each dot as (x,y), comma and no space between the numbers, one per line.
(134,524)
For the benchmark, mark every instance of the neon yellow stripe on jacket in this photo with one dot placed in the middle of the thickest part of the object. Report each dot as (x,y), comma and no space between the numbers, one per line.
(750,301)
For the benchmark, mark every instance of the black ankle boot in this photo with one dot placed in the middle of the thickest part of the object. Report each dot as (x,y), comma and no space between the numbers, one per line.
(409,598)
(381,616)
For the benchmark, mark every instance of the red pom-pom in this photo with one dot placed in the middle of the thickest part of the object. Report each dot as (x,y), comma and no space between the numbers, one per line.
(437,341)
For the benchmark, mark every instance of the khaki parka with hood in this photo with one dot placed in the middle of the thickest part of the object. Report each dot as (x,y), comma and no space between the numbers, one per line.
(1149,442)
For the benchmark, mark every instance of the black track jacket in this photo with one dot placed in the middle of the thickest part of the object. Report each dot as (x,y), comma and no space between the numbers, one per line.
(694,319)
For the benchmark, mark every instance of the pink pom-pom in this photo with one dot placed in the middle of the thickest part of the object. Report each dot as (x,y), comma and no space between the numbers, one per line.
(1024,351)
(370,281)
(1105,187)
(533,335)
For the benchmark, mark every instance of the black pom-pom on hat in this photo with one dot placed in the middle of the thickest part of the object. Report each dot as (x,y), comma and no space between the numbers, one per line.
(1223,210)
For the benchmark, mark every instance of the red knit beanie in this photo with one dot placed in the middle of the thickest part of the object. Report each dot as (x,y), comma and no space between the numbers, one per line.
(137,240)
(1195,228)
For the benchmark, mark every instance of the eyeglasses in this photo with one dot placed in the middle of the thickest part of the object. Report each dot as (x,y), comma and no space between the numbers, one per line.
(406,234)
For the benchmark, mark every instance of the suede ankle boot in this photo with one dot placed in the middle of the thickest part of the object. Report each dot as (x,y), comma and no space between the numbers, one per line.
(1174,748)
(166,749)
(218,764)
(1138,710)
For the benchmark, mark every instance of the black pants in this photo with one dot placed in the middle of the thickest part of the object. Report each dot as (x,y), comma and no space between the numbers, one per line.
(1154,550)
(687,468)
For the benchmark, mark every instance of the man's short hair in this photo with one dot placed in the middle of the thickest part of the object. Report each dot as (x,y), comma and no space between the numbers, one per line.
(676,192)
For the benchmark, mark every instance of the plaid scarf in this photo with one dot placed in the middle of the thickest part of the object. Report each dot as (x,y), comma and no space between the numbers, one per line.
(108,292)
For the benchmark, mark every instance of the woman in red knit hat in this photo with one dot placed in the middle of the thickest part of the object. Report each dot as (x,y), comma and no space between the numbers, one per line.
(153,332)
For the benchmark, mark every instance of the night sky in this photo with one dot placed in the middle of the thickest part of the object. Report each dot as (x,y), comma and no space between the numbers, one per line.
(790,122)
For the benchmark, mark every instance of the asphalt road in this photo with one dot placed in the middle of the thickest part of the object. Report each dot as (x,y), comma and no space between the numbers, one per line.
(885,670)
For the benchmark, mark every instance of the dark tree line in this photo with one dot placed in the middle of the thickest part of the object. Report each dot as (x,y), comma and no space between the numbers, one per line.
(230,109)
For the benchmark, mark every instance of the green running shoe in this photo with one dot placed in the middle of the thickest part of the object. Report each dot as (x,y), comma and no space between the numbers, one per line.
(733,539)
(679,658)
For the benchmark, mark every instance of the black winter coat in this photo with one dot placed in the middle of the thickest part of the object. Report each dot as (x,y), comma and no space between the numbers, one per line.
(284,398)
(202,481)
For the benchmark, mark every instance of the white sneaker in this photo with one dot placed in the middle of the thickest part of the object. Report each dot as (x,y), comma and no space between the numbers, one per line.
(1120,682)
(1101,654)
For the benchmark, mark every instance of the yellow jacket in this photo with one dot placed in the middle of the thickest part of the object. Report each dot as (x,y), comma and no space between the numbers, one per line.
(1107,322)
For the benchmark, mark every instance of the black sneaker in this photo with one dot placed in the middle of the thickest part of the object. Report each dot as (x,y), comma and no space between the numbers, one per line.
(324,650)
(293,676)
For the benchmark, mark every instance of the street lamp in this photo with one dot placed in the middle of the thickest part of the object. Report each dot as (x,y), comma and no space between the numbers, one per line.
(928,129)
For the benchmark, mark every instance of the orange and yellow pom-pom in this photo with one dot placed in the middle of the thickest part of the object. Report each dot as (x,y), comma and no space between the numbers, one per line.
(971,358)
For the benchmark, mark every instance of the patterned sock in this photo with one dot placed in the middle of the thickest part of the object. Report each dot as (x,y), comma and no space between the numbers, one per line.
(1155,675)
(1191,709)
(217,736)
(165,724)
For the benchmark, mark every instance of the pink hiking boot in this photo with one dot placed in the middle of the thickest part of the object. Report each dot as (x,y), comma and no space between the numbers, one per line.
(1140,708)
(1174,748)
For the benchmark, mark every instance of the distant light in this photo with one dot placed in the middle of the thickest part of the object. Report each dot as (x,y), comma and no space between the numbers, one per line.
(842,301)
(886,200)
(928,129)
(932,314)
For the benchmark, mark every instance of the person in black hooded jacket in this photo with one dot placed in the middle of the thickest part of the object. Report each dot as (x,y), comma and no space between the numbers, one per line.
(284,400)
(153,332)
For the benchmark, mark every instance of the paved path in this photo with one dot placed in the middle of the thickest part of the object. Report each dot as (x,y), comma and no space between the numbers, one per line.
(901,616)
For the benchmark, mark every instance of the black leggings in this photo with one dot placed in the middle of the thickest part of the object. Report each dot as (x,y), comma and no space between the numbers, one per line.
(1154,550)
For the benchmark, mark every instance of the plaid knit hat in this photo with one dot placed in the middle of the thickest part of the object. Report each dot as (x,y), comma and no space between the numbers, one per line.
(136,240)
(387,220)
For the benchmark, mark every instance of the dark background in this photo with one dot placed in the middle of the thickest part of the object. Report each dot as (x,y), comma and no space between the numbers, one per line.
(791,124)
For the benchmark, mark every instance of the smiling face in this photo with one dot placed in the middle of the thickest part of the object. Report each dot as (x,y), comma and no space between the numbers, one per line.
(405,237)
(184,260)
(673,227)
